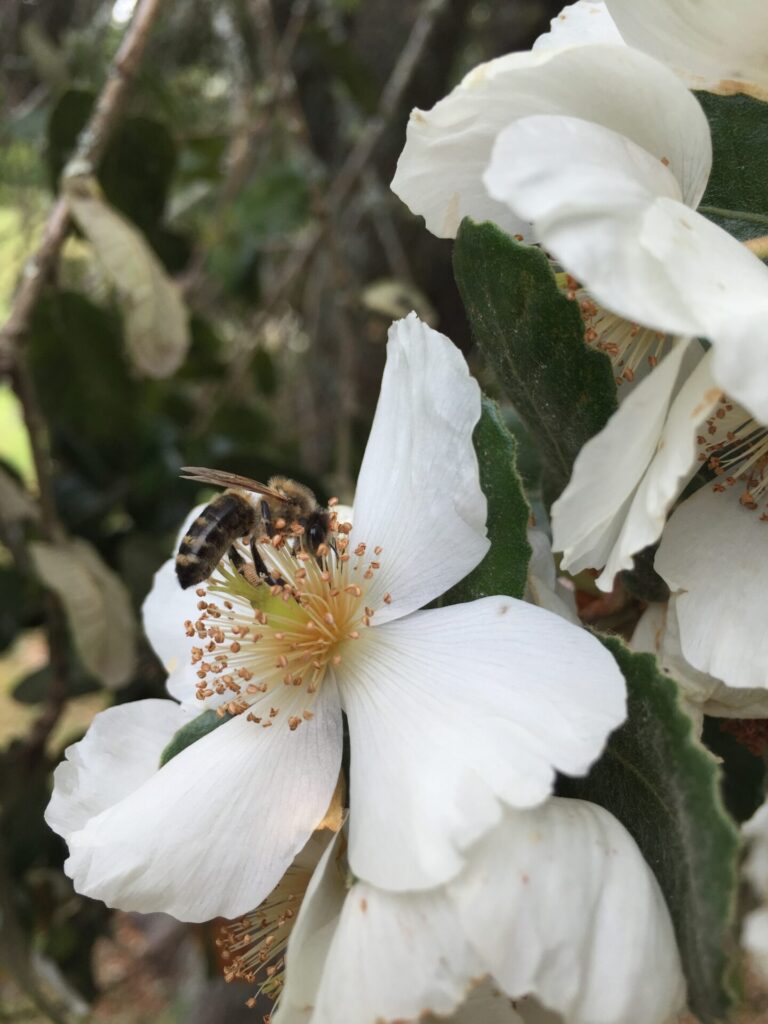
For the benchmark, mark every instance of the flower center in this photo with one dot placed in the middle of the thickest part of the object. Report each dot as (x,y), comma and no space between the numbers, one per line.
(735,447)
(280,635)
(627,345)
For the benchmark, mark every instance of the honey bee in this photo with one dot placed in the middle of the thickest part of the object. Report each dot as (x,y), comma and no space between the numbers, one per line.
(285,506)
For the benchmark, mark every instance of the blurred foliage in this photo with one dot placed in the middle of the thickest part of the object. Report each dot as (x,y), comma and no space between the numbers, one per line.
(236,127)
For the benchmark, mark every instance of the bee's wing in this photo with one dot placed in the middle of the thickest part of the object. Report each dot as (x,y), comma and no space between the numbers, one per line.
(219,478)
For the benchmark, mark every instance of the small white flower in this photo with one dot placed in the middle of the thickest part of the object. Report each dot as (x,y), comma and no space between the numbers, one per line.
(555,904)
(453,712)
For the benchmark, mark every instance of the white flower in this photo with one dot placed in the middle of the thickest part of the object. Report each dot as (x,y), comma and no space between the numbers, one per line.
(625,481)
(619,215)
(713,46)
(440,171)
(555,904)
(601,154)
(658,632)
(453,712)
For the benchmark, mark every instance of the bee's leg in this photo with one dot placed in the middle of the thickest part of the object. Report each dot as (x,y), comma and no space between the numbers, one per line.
(236,559)
(259,564)
(244,568)
(303,539)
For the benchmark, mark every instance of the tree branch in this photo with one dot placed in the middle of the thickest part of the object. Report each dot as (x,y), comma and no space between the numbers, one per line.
(91,144)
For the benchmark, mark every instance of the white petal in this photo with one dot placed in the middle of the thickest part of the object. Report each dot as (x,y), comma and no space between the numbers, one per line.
(756,864)
(213,831)
(755,940)
(725,285)
(588,517)
(454,710)
(312,933)
(626,478)
(673,464)
(587,190)
(164,612)
(447,148)
(418,494)
(713,554)
(542,586)
(587,21)
(561,905)
(608,211)
(120,751)
(393,957)
(755,933)
(658,633)
(713,45)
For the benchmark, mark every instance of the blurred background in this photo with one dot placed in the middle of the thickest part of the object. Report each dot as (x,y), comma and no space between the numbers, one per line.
(250,165)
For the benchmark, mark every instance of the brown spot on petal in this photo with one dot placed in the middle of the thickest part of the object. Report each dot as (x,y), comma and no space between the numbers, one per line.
(710,396)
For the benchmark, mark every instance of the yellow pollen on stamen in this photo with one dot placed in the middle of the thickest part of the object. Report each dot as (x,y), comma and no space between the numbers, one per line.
(306,609)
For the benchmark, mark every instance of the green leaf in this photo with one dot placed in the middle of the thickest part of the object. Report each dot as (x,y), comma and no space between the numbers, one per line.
(533,337)
(156,328)
(663,786)
(505,567)
(737,192)
(97,606)
(137,168)
(72,339)
(36,687)
(191,733)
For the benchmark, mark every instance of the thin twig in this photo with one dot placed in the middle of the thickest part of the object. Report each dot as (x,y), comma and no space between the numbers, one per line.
(363,150)
(91,144)
(337,194)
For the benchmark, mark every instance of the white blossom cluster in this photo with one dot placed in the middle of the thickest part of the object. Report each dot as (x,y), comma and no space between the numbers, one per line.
(457,885)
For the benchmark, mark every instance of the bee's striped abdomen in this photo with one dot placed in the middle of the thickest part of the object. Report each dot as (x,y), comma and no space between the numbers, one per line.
(227,518)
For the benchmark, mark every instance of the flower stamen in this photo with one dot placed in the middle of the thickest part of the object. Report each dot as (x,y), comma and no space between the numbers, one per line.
(307,608)
(735,447)
(628,345)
